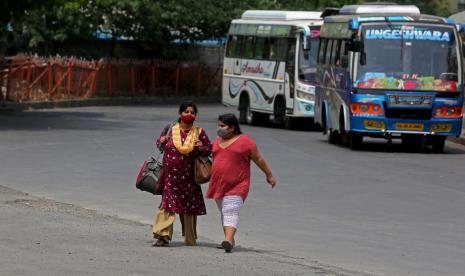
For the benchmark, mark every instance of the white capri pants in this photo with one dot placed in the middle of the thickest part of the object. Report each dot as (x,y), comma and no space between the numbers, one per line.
(229,207)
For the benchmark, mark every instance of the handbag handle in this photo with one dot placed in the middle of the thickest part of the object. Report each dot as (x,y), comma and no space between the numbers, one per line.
(166,132)
(198,152)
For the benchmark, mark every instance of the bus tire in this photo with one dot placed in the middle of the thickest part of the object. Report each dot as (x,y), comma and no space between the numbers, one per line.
(345,135)
(279,111)
(324,124)
(438,143)
(355,140)
(333,136)
(245,115)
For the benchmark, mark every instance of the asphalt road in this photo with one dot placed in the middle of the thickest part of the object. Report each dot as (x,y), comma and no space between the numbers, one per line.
(382,211)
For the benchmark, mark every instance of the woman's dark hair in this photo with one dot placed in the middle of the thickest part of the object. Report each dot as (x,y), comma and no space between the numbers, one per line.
(187,104)
(230,120)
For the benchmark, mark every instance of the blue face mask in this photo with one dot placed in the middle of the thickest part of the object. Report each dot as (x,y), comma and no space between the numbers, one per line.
(223,133)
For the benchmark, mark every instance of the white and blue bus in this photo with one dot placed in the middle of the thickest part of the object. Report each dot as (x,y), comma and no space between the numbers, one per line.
(389,71)
(270,65)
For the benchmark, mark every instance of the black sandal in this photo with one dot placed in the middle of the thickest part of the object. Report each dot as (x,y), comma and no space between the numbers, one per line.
(227,246)
(161,242)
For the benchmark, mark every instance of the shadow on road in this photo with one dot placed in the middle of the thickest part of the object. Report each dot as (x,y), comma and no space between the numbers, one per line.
(213,247)
(298,124)
(380,145)
(47,120)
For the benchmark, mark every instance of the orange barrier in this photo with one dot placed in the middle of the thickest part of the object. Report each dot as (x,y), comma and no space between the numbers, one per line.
(28,78)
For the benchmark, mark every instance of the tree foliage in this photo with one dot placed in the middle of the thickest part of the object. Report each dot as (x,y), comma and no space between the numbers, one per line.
(43,25)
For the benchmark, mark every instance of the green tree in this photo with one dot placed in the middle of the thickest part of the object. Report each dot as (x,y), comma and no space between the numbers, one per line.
(44,25)
(435,7)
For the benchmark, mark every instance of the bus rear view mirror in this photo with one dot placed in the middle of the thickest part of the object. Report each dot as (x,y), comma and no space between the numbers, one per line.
(355,46)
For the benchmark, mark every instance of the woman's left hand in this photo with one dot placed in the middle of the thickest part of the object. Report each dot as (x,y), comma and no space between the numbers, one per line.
(271,180)
(199,144)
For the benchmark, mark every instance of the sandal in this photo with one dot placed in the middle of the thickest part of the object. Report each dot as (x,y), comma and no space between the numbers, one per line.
(160,243)
(227,246)
(220,246)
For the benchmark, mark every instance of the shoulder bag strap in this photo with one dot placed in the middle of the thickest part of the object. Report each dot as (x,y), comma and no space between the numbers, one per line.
(166,131)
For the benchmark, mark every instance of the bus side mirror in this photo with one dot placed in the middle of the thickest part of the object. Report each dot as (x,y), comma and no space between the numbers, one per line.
(355,46)
(306,43)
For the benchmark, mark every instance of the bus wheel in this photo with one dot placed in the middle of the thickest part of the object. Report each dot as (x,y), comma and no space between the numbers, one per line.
(245,115)
(324,124)
(333,136)
(412,141)
(279,111)
(438,143)
(355,140)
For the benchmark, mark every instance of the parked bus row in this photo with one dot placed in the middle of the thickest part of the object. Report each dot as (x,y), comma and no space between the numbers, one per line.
(363,70)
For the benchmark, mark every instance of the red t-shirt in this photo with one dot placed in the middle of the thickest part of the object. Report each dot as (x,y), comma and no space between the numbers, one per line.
(231,168)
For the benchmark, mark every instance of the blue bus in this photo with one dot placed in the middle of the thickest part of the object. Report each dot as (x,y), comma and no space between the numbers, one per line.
(389,71)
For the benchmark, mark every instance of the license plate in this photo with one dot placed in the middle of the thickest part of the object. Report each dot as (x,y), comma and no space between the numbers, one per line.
(409,126)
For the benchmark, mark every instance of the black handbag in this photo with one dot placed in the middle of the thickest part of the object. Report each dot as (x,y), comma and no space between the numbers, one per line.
(150,177)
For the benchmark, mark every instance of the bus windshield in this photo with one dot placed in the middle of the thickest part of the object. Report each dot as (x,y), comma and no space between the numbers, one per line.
(408,57)
(308,58)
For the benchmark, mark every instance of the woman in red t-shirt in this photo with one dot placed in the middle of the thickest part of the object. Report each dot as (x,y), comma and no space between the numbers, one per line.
(230,179)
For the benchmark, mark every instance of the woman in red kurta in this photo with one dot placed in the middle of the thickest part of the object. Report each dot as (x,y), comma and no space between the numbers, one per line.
(181,195)
(230,179)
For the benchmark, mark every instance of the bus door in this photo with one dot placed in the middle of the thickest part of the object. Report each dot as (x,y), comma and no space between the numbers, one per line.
(289,81)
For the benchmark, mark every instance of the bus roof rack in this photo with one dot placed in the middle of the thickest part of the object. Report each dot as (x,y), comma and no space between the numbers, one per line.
(372,9)
(280,15)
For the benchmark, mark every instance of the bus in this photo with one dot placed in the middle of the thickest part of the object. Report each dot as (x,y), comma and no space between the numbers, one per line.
(269,66)
(389,71)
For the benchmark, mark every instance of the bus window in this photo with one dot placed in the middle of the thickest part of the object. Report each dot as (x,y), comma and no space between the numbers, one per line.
(321,51)
(262,46)
(307,60)
(273,49)
(344,54)
(248,47)
(281,48)
(233,48)
(328,52)
(336,52)
(229,45)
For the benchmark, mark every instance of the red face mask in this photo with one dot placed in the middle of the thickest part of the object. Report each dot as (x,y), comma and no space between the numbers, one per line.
(188,119)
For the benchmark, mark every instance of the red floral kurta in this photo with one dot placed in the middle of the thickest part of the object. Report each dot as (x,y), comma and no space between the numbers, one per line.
(181,194)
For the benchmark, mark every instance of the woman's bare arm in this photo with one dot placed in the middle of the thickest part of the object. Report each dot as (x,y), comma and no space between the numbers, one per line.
(258,159)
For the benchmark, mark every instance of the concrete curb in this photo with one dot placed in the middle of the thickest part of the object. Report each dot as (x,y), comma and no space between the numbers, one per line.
(106,102)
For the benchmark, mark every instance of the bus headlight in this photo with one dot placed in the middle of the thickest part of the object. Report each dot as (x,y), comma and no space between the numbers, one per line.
(305,96)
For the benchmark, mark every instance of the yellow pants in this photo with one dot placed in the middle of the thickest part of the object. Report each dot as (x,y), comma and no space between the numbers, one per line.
(163,226)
